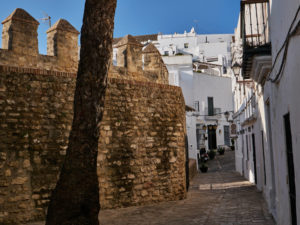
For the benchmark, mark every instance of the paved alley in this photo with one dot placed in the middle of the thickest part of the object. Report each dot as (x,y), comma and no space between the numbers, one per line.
(219,197)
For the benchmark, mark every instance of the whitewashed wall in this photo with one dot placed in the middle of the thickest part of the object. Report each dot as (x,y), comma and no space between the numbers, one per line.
(282,98)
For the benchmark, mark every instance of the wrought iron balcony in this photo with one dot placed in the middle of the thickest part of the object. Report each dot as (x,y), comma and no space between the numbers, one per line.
(216,116)
(254,32)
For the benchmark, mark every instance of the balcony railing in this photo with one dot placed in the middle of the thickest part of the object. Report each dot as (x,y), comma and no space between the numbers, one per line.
(216,116)
(254,31)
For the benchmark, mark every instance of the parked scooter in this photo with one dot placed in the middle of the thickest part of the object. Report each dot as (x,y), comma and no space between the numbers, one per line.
(203,155)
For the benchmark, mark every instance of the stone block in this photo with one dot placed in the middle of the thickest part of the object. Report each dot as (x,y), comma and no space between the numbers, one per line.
(19,180)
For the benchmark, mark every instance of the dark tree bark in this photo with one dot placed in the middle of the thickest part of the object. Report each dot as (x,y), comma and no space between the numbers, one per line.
(75,200)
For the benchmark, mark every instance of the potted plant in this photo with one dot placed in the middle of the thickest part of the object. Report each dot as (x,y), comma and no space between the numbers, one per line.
(203,168)
(221,150)
(232,145)
(211,154)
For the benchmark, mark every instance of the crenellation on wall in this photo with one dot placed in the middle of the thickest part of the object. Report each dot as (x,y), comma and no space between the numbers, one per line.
(134,63)
(20,44)
(154,66)
(62,41)
(20,49)
(20,33)
(129,54)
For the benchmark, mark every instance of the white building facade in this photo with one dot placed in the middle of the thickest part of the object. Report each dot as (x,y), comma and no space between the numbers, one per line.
(267,104)
(200,65)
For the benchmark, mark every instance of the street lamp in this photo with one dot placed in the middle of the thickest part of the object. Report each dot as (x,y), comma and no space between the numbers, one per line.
(226,114)
(236,69)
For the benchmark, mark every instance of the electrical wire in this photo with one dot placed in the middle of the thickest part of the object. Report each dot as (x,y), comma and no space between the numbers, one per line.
(285,46)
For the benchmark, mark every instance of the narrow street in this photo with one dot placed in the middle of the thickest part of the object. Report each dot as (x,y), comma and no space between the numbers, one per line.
(219,197)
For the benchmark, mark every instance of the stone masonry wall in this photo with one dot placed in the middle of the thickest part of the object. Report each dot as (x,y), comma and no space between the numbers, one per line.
(36,110)
(141,152)
(141,156)
(141,149)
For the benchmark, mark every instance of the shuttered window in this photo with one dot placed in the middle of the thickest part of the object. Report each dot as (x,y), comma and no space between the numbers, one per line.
(210,102)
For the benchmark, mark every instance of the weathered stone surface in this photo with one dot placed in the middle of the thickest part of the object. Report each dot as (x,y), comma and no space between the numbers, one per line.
(133,63)
(141,149)
(134,157)
(31,142)
(20,44)
(137,162)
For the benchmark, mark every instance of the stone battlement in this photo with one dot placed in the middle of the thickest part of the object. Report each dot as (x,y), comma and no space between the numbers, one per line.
(141,152)
(20,49)
(136,62)
(20,44)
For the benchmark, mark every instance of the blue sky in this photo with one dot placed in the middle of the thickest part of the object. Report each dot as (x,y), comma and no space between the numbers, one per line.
(138,17)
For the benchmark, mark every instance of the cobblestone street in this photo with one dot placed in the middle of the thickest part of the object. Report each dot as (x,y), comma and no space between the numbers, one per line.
(219,197)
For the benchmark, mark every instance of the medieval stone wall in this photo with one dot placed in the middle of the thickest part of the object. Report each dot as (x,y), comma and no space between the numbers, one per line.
(35,120)
(141,156)
(141,149)
(141,152)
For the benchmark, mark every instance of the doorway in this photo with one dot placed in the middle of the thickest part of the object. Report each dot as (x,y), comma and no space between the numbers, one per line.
(212,138)
(226,136)
(254,157)
(187,172)
(291,169)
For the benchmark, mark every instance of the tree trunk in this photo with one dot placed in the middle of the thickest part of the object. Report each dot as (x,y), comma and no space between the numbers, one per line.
(75,200)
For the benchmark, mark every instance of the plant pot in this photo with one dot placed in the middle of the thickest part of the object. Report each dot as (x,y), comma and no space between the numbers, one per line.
(204,169)
(211,157)
(221,152)
(211,154)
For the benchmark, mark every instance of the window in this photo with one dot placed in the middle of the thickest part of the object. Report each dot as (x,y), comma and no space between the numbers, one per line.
(226,136)
(196,106)
(166,53)
(186,45)
(198,136)
(210,102)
